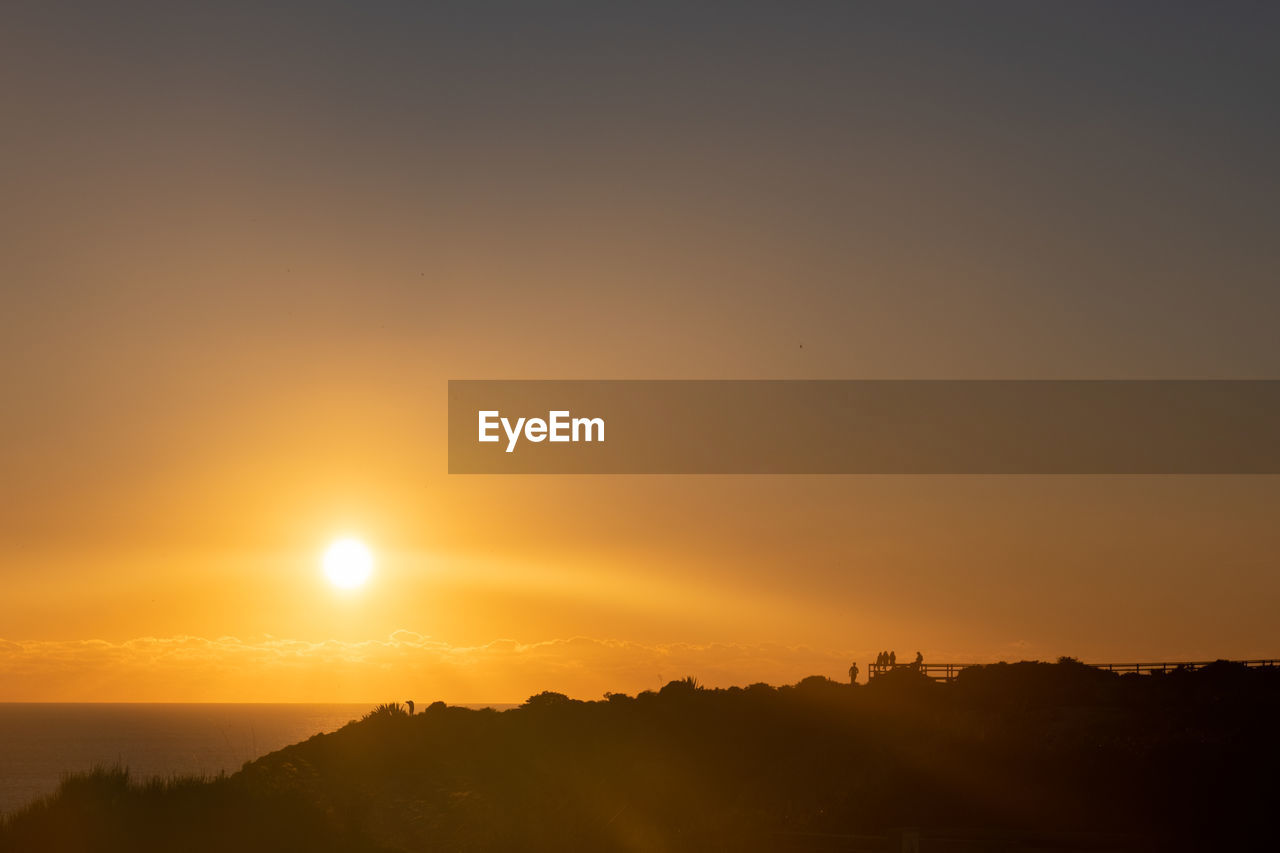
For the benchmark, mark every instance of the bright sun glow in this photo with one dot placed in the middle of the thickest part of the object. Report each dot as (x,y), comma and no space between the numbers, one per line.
(348,563)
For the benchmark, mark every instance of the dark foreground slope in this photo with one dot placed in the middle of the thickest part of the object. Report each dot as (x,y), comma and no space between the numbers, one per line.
(1009,757)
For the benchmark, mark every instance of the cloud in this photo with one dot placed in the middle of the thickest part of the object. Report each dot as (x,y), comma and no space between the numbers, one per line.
(406,663)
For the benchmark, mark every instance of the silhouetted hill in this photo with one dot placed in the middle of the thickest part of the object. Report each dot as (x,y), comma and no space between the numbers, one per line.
(1008,757)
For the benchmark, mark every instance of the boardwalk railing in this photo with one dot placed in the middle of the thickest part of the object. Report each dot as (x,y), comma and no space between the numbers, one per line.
(948,671)
(1170,667)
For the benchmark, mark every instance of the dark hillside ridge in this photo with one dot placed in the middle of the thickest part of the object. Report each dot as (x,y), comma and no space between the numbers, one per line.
(1026,756)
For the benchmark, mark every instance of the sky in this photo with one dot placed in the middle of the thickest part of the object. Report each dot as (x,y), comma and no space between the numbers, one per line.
(244,246)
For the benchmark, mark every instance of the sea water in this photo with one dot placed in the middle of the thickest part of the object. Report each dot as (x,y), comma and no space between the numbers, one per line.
(41,742)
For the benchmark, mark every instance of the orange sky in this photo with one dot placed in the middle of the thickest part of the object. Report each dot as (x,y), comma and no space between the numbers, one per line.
(241,254)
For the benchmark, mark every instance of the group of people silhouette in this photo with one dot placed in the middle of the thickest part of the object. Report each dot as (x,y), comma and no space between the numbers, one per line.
(890,659)
(886,660)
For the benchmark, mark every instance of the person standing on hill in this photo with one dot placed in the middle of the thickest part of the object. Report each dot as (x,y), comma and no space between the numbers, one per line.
(893,659)
(853,673)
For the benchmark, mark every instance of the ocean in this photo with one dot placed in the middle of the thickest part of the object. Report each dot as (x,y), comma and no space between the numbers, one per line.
(40,742)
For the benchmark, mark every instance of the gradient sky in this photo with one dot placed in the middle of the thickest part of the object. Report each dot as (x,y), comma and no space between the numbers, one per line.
(244,246)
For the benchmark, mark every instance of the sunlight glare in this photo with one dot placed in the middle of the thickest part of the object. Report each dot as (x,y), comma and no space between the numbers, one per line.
(348,563)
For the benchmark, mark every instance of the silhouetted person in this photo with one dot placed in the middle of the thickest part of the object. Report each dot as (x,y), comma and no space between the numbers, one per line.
(853,673)
(893,659)
(409,702)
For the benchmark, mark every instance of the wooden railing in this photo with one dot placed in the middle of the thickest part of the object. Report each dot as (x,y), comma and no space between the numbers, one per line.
(936,671)
(1171,666)
(948,671)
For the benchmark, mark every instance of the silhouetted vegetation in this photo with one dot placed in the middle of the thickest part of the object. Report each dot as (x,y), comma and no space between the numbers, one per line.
(385,711)
(1008,757)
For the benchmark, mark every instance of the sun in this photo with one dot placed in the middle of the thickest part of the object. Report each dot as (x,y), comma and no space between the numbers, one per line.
(348,563)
